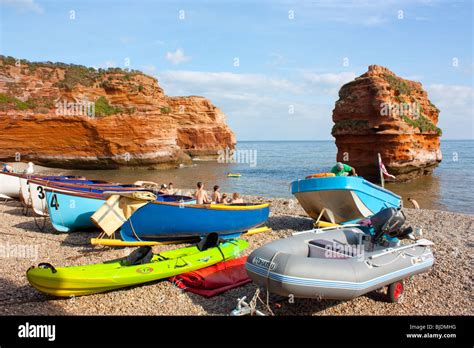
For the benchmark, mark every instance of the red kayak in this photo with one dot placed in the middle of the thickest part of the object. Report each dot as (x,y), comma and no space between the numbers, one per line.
(214,280)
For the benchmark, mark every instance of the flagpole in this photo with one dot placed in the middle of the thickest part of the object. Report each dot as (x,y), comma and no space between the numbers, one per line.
(380,170)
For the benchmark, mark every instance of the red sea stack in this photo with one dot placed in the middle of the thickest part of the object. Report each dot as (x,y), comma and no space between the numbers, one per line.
(380,112)
(46,117)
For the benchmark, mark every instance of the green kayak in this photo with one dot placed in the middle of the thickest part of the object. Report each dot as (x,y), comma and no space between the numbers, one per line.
(141,266)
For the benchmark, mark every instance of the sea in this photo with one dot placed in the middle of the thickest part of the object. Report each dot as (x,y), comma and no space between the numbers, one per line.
(268,168)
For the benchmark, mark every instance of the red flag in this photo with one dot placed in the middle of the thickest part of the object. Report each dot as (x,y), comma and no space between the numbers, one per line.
(384,170)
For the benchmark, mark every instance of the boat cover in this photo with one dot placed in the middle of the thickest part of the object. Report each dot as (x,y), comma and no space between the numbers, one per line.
(214,280)
(118,208)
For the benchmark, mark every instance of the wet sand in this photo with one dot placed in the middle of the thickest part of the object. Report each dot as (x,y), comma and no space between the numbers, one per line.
(445,290)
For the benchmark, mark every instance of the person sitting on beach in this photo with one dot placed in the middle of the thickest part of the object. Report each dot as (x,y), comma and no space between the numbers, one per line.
(6,168)
(225,199)
(236,199)
(201,194)
(216,195)
(163,190)
(341,169)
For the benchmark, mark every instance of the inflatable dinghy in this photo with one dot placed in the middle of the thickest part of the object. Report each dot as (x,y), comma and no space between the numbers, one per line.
(342,262)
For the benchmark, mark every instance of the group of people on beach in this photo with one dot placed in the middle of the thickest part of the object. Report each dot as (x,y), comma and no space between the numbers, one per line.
(202,196)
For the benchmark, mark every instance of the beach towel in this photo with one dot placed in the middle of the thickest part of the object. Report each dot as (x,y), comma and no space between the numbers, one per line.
(118,208)
(214,280)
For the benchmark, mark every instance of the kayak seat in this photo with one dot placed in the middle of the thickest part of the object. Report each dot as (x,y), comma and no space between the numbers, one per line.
(209,241)
(330,249)
(140,256)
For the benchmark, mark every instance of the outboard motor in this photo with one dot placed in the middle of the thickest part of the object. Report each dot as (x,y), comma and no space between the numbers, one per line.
(389,221)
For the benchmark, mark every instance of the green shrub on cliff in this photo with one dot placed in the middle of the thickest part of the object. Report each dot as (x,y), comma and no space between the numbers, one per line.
(103,108)
(397,84)
(11,102)
(423,124)
(165,110)
(35,104)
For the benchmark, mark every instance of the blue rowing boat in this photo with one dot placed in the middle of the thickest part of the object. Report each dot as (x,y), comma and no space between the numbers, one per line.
(169,217)
(342,199)
(71,210)
(163,220)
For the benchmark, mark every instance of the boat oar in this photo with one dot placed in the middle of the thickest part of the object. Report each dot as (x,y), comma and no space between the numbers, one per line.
(420,242)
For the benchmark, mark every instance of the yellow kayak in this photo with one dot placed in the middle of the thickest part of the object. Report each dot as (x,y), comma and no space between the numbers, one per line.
(141,266)
(234,175)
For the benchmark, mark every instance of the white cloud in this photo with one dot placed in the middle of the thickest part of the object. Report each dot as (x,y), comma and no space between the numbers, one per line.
(456,103)
(227,81)
(24,5)
(329,79)
(300,107)
(177,57)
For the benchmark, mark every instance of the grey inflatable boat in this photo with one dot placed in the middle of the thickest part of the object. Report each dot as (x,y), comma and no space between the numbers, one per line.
(342,262)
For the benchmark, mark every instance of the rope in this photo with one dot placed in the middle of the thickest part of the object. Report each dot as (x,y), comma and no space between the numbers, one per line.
(133,230)
(268,281)
(253,303)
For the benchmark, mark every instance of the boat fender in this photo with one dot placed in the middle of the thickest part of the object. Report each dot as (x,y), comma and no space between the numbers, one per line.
(47,265)
(140,256)
(320,175)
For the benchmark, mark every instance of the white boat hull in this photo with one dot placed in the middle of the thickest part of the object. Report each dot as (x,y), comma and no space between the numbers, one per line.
(10,185)
(336,206)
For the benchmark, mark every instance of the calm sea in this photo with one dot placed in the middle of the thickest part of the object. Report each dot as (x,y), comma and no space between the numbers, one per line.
(268,167)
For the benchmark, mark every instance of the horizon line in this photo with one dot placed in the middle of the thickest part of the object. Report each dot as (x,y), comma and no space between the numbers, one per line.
(306,140)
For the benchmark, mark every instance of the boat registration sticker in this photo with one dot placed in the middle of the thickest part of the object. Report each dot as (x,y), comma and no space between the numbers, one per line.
(145,270)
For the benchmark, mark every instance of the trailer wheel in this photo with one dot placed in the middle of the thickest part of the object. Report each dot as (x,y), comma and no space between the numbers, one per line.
(395,292)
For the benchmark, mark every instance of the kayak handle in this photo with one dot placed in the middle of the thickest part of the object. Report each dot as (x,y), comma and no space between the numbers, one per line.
(47,265)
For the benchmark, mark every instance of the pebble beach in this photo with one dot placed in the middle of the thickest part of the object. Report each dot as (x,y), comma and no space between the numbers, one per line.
(445,290)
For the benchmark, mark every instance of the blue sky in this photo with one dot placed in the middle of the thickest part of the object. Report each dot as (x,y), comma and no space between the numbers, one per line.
(292,56)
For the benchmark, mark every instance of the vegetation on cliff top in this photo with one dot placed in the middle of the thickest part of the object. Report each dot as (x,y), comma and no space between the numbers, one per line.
(423,123)
(397,84)
(74,74)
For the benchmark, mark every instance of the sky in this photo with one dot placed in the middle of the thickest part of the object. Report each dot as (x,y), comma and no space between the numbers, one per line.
(273,67)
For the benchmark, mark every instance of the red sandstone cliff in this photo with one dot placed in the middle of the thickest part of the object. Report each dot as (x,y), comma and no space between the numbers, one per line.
(71,116)
(381,112)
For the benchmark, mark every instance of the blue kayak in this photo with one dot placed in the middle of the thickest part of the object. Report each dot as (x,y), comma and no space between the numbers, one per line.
(342,198)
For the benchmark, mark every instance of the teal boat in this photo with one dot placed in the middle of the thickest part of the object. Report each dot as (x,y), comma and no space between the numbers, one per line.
(340,199)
